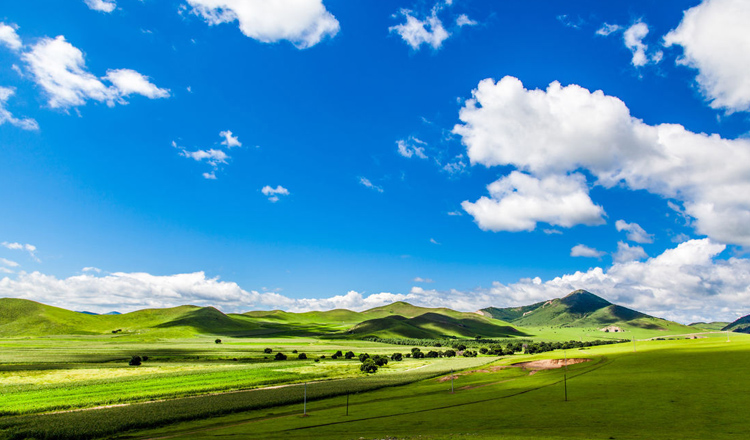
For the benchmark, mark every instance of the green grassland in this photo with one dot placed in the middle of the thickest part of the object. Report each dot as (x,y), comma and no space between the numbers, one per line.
(65,374)
(680,389)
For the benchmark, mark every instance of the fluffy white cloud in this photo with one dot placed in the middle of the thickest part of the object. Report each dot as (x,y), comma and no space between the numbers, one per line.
(715,41)
(366,182)
(581,250)
(9,37)
(8,263)
(422,280)
(626,253)
(211,156)
(608,29)
(7,116)
(229,140)
(633,38)
(411,147)
(274,193)
(302,22)
(416,32)
(563,129)
(687,283)
(128,82)
(519,201)
(464,20)
(30,248)
(126,292)
(635,232)
(59,68)
(91,269)
(101,5)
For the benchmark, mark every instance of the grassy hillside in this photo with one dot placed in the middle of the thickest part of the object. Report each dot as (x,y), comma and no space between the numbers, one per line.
(20,317)
(741,325)
(709,326)
(582,309)
(435,324)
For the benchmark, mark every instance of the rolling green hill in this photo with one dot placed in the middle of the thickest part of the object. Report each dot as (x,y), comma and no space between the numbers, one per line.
(432,324)
(20,317)
(741,325)
(581,309)
(709,326)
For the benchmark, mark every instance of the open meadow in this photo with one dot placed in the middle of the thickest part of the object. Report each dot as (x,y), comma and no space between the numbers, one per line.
(82,387)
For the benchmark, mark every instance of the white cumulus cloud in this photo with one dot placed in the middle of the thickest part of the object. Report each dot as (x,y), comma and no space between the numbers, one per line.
(7,116)
(581,250)
(30,248)
(411,147)
(635,232)
(560,130)
(519,201)
(59,68)
(229,140)
(128,82)
(715,42)
(101,5)
(626,253)
(212,157)
(633,38)
(688,283)
(302,22)
(608,29)
(274,193)
(416,32)
(9,37)
(8,263)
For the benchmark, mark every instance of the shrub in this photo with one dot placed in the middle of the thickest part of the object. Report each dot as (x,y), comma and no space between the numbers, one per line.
(144,358)
(397,357)
(294,351)
(368,366)
(449,353)
(267,350)
(483,350)
(380,360)
(418,355)
(218,341)
(280,356)
(337,354)
(349,354)
(135,360)
(432,354)
(302,356)
(363,357)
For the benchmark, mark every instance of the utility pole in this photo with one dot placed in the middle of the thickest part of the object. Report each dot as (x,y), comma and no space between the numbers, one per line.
(565,375)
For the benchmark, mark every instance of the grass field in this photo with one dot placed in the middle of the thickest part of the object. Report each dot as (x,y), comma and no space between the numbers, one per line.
(80,386)
(683,389)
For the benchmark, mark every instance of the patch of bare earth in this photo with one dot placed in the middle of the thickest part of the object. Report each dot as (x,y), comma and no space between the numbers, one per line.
(548,364)
(468,373)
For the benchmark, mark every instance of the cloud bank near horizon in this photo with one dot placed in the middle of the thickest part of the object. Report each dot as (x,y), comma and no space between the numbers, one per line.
(686,284)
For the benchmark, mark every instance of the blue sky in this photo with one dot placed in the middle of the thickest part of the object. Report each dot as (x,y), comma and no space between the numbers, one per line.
(309,155)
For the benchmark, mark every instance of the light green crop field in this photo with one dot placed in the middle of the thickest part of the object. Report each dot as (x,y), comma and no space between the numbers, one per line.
(670,389)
